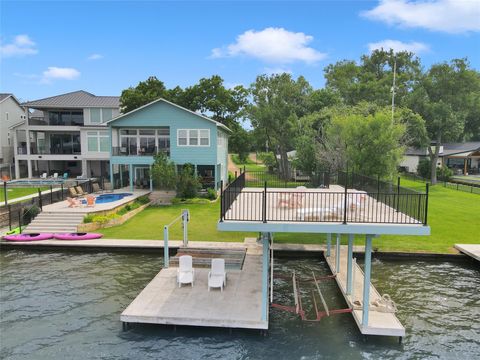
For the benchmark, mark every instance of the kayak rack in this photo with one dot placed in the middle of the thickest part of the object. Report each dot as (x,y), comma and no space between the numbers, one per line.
(298,308)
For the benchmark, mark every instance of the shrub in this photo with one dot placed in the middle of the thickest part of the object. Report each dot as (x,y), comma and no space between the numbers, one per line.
(142,200)
(103,219)
(444,173)
(29,213)
(88,219)
(269,160)
(163,172)
(188,183)
(211,194)
(176,201)
(424,168)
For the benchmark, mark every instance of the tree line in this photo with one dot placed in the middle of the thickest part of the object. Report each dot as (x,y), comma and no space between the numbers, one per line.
(351,122)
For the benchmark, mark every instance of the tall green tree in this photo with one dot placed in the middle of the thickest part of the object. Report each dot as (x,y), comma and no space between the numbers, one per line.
(371,80)
(447,99)
(277,103)
(145,92)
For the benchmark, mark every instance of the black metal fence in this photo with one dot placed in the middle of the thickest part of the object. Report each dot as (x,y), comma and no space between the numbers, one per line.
(454,185)
(362,200)
(258,179)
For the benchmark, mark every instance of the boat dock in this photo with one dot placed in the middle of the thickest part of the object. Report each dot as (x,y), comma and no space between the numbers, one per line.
(379,323)
(238,306)
(472,250)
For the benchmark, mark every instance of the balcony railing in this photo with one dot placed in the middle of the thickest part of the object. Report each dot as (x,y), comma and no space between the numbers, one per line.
(135,151)
(368,201)
(48,151)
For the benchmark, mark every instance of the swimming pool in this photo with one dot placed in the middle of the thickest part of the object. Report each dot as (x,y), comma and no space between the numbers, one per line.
(107,198)
(36,182)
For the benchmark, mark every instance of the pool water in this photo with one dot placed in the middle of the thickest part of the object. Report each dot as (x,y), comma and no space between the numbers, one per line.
(107,198)
(69,307)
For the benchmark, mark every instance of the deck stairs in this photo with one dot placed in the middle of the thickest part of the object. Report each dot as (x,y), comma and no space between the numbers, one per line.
(162,197)
(55,222)
(202,258)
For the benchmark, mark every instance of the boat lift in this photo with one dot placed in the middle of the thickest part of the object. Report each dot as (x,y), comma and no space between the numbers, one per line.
(298,308)
(185,217)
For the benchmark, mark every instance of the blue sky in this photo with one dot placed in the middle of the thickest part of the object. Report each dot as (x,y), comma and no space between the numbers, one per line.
(48,48)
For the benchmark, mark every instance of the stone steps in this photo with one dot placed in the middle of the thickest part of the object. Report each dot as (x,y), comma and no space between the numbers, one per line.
(55,222)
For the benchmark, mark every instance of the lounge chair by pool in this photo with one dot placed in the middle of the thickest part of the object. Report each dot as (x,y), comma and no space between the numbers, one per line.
(90,201)
(73,193)
(80,191)
(73,202)
(96,188)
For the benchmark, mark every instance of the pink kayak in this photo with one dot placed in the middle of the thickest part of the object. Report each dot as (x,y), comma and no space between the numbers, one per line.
(28,237)
(77,236)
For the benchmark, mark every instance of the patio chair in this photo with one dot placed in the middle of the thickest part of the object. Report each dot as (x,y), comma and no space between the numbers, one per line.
(65,176)
(90,201)
(73,202)
(107,186)
(80,191)
(185,271)
(43,176)
(96,188)
(55,176)
(217,277)
(73,193)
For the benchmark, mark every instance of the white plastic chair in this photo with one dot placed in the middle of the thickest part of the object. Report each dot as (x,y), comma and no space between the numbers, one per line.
(55,175)
(43,176)
(217,277)
(185,271)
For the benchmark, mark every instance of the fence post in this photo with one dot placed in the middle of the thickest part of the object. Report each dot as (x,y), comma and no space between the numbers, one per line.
(9,217)
(264,207)
(235,174)
(61,187)
(40,202)
(221,200)
(51,194)
(426,204)
(398,193)
(20,220)
(5,193)
(345,199)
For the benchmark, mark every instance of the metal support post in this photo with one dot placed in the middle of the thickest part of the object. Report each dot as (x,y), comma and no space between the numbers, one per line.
(329,244)
(349,264)
(265,274)
(337,255)
(166,260)
(366,279)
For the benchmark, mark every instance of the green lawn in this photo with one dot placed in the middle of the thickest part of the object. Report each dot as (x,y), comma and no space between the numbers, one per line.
(14,193)
(453,216)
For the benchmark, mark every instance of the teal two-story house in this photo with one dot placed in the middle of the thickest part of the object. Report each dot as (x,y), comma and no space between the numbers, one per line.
(162,126)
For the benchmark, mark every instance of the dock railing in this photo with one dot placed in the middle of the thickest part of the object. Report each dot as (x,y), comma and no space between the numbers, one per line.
(364,200)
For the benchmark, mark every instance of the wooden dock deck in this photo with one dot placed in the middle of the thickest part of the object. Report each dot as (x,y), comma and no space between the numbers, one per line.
(472,250)
(379,323)
(238,306)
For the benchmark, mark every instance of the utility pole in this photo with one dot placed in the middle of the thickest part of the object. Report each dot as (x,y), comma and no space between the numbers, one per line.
(393,87)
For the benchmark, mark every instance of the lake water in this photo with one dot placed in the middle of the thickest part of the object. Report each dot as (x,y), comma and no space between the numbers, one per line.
(67,306)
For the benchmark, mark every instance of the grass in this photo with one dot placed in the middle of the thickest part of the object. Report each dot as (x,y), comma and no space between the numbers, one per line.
(453,217)
(13,193)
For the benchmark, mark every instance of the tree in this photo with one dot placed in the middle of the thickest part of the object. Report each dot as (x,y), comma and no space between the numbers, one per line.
(239,142)
(277,103)
(188,183)
(446,99)
(163,172)
(144,93)
(372,79)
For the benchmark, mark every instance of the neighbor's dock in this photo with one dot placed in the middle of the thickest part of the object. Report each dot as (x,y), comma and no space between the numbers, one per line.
(472,250)
(379,323)
(238,306)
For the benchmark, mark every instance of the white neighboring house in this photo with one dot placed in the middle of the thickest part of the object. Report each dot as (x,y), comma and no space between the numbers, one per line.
(463,158)
(65,134)
(11,113)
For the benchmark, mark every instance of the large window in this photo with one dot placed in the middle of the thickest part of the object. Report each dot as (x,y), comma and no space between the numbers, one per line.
(144,141)
(100,115)
(95,116)
(98,141)
(193,137)
(66,118)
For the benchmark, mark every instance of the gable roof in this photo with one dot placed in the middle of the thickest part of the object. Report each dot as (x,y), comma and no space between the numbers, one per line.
(220,125)
(457,148)
(5,96)
(75,99)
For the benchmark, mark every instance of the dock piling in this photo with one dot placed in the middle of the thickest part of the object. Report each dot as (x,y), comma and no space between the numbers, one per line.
(366,280)
(349,264)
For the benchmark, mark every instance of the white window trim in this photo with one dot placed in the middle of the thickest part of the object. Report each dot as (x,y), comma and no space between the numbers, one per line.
(99,134)
(137,135)
(188,138)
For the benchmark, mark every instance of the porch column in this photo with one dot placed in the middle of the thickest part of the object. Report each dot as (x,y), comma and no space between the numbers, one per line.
(337,255)
(329,244)
(366,279)
(465,166)
(15,153)
(349,264)
(130,171)
(151,180)
(265,273)
(111,174)
(85,169)
(29,168)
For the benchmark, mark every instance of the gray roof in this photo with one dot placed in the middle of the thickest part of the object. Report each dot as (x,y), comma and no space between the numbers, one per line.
(4,96)
(76,99)
(416,151)
(36,114)
(456,148)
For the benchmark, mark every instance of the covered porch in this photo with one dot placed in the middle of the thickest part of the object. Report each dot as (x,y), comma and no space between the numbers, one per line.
(466,163)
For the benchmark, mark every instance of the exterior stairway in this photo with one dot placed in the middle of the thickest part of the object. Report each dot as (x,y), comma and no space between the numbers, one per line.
(162,197)
(55,222)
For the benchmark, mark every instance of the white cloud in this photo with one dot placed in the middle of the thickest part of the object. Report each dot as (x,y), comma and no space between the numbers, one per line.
(58,73)
(451,16)
(272,45)
(397,46)
(21,45)
(95,57)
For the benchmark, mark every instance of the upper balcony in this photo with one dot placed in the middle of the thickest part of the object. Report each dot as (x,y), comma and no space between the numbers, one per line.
(347,204)
(138,151)
(59,118)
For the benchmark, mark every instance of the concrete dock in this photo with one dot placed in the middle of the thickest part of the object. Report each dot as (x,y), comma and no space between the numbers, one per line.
(472,250)
(379,323)
(238,306)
